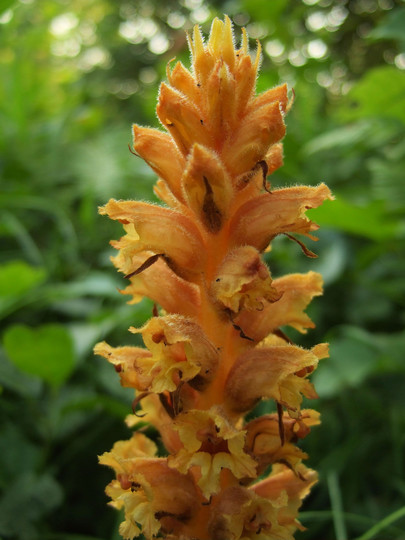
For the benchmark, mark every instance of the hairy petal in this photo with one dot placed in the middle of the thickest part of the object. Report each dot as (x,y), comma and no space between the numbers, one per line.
(211,443)
(159,283)
(126,360)
(161,154)
(207,187)
(179,352)
(181,242)
(296,292)
(243,281)
(258,131)
(262,218)
(270,372)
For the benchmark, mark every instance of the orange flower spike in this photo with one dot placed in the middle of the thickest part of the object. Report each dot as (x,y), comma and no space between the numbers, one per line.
(216,344)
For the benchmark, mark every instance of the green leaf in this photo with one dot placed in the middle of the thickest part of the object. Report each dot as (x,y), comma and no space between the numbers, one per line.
(391,347)
(379,93)
(341,137)
(46,352)
(6,4)
(368,221)
(18,277)
(27,499)
(20,383)
(264,11)
(353,357)
(391,27)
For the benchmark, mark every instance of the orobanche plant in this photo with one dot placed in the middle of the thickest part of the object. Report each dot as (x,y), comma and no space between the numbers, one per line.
(215,346)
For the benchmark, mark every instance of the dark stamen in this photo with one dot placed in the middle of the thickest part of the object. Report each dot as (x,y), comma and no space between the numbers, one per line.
(304,248)
(136,401)
(280,423)
(145,265)
(282,335)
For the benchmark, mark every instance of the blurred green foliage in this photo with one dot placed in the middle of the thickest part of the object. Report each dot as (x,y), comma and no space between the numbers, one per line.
(74,75)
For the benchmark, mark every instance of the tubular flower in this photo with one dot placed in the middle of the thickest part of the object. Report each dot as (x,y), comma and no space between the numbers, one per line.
(216,344)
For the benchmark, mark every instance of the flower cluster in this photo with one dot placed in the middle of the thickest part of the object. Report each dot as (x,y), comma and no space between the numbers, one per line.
(215,346)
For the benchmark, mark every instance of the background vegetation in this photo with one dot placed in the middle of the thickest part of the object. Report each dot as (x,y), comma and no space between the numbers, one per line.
(74,75)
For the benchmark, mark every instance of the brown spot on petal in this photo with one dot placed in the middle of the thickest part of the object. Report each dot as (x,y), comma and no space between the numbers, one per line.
(211,213)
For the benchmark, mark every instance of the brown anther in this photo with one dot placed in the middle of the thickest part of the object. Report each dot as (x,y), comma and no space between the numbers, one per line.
(158,337)
(304,371)
(282,335)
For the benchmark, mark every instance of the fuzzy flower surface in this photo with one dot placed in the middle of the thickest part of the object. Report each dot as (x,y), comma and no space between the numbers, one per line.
(217,343)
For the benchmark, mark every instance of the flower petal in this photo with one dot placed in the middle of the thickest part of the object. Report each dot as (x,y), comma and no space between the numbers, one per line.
(150,491)
(179,352)
(180,242)
(278,94)
(182,119)
(207,187)
(297,488)
(243,281)
(211,443)
(161,154)
(259,220)
(125,360)
(159,283)
(239,513)
(183,81)
(257,132)
(296,292)
(263,439)
(270,372)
